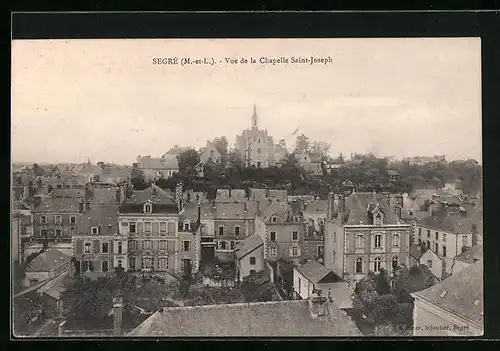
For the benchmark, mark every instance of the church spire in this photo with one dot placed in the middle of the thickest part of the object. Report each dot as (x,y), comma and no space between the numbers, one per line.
(254,117)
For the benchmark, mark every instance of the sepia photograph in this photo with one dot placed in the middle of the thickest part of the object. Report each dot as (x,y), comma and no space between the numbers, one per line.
(246,188)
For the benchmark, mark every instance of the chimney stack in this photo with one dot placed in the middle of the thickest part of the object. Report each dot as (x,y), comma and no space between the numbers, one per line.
(318,305)
(117,315)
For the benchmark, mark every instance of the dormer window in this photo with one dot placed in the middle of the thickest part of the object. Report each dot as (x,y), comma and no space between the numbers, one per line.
(377,219)
(95,230)
(187,225)
(148,207)
(274,219)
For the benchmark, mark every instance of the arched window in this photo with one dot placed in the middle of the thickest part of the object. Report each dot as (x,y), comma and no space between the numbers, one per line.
(395,262)
(395,240)
(377,264)
(378,240)
(359,265)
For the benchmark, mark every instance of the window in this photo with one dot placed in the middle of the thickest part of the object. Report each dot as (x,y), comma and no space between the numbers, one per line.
(88,248)
(147,227)
(359,265)
(300,284)
(428,233)
(104,266)
(105,247)
(133,227)
(360,241)
(147,262)
(333,257)
(232,245)
(120,247)
(273,236)
(131,263)
(72,220)
(259,164)
(124,223)
(58,219)
(237,230)
(187,246)
(58,232)
(272,251)
(95,230)
(274,219)
(464,240)
(395,240)
(187,225)
(444,251)
(132,244)
(377,264)
(147,208)
(437,235)
(147,244)
(163,264)
(221,230)
(428,244)
(86,266)
(295,235)
(43,233)
(378,219)
(429,263)
(334,237)
(171,227)
(43,220)
(436,248)
(222,245)
(444,237)
(419,231)
(252,261)
(163,244)
(320,250)
(163,227)
(295,251)
(259,150)
(378,241)
(395,262)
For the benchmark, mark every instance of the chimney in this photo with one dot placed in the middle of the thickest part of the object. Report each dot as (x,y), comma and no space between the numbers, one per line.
(318,305)
(199,213)
(117,315)
(331,206)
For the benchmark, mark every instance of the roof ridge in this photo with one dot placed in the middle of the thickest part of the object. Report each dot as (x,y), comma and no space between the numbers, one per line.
(241,304)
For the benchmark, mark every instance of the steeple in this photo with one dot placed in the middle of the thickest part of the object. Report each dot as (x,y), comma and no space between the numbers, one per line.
(254,117)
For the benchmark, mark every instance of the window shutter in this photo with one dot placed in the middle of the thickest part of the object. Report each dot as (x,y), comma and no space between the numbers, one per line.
(156,227)
(139,244)
(79,246)
(97,246)
(110,249)
(140,227)
(155,245)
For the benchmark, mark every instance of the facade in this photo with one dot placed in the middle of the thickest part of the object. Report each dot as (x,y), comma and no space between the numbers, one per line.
(250,257)
(155,168)
(448,232)
(364,232)
(94,251)
(453,307)
(255,145)
(467,258)
(420,255)
(313,276)
(209,153)
(312,164)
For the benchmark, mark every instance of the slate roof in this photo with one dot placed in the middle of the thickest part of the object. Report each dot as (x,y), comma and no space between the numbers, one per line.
(273,208)
(257,194)
(275,318)
(471,255)
(415,251)
(316,206)
(103,195)
(235,210)
(453,223)
(357,205)
(162,201)
(248,245)
(224,195)
(47,261)
(105,217)
(55,287)
(65,192)
(280,195)
(461,293)
(169,162)
(315,272)
(58,204)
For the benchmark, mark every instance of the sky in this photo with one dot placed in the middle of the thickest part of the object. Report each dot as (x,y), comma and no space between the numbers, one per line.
(105,100)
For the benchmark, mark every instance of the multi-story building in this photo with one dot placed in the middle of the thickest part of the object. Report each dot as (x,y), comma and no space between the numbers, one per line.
(155,168)
(21,234)
(255,145)
(312,164)
(149,239)
(95,231)
(364,233)
(448,232)
(314,215)
(210,153)
(233,223)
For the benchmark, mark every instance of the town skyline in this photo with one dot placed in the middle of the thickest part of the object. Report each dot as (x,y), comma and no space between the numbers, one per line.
(104,100)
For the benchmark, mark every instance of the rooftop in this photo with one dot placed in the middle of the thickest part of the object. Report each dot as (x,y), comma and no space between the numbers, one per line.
(238,210)
(452,223)
(316,273)
(317,206)
(58,204)
(47,261)
(168,162)
(248,245)
(358,204)
(275,318)
(471,255)
(104,217)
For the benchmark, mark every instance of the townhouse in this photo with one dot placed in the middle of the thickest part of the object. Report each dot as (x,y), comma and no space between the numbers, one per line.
(364,232)
(314,217)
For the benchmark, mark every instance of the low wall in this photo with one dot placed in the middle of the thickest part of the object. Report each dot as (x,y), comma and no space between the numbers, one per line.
(218,282)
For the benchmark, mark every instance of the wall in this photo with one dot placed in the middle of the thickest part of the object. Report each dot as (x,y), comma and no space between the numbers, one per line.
(334,247)
(216,283)
(284,242)
(458,265)
(429,320)
(436,266)
(15,238)
(244,266)
(66,228)
(301,285)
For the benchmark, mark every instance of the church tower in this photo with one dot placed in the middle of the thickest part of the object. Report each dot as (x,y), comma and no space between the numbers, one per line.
(254,117)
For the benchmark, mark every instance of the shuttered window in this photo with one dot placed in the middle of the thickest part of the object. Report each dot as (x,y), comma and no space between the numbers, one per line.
(140,227)
(156,227)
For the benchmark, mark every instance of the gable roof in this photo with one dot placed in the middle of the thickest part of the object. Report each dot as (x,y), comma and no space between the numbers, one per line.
(47,261)
(315,272)
(162,200)
(235,210)
(58,204)
(103,217)
(358,204)
(169,162)
(248,245)
(452,223)
(317,206)
(275,318)
(462,293)
(471,255)
(274,208)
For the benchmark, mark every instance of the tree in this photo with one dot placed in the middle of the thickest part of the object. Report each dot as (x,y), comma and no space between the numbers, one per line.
(382,285)
(321,148)
(302,144)
(235,158)
(39,171)
(221,144)
(137,179)
(188,160)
